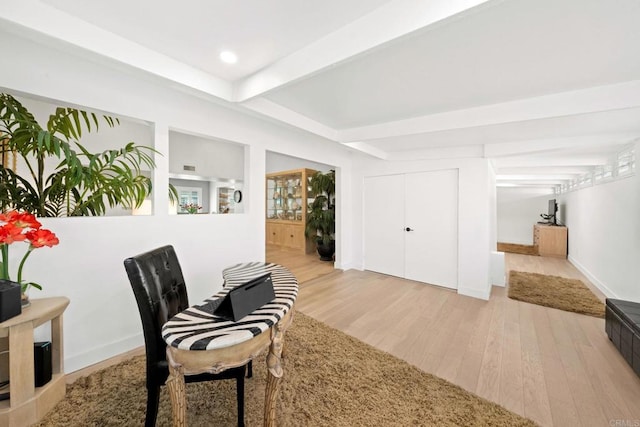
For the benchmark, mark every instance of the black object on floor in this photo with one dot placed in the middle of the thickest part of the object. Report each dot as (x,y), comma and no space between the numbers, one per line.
(622,323)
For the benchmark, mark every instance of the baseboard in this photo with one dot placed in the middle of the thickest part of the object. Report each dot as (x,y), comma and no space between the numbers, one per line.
(345,266)
(355,266)
(475,293)
(598,284)
(99,354)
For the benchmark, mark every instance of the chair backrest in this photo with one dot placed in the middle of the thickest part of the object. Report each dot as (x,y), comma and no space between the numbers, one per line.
(160,291)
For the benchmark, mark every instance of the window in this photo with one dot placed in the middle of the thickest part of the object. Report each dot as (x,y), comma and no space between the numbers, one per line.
(189,196)
(623,166)
(626,162)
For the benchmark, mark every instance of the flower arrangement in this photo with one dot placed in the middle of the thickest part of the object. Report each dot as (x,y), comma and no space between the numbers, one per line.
(191,208)
(22,227)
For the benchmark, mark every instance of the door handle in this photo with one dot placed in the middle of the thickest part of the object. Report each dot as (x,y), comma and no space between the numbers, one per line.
(408,229)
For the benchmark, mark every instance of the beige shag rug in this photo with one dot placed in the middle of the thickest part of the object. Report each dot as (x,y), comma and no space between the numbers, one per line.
(555,292)
(514,248)
(331,379)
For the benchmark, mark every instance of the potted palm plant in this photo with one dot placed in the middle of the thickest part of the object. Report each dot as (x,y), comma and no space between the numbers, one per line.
(63,177)
(321,213)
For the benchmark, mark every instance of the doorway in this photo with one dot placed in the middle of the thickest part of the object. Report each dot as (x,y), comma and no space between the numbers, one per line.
(411,226)
(284,205)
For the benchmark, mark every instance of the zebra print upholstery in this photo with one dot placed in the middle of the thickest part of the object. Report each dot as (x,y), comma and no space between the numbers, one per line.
(194,329)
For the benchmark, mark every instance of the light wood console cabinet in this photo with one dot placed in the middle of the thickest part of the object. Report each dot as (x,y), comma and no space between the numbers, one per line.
(551,240)
(27,404)
(286,209)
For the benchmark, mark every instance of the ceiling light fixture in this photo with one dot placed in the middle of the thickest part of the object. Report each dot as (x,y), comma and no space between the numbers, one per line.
(228,57)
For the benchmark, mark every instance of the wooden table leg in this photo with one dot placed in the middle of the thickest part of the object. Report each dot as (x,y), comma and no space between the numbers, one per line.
(286,324)
(175,384)
(274,375)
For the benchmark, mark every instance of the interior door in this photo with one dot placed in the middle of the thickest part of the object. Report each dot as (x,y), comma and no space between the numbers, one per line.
(384,224)
(431,218)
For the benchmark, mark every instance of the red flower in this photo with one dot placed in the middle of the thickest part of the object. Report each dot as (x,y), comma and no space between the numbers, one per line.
(9,216)
(42,237)
(22,227)
(20,219)
(9,233)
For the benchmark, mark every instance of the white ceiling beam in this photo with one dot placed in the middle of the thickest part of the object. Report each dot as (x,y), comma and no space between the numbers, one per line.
(576,160)
(544,170)
(555,144)
(585,101)
(533,177)
(367,149)
(44,20)
(536,180)
(529,184)
(456,152)
(388,22)
(285,115)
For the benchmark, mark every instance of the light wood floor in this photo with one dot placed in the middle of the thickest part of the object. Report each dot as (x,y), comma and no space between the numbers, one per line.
(554,367)
(304,266)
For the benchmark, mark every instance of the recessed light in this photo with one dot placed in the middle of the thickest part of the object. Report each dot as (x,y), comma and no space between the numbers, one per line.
(228,57)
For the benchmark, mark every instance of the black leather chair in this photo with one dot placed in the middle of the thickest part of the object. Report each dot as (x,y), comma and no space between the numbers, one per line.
(160,291)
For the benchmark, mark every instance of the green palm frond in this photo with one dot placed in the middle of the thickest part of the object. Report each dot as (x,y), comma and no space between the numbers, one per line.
(321,215)
(83,183)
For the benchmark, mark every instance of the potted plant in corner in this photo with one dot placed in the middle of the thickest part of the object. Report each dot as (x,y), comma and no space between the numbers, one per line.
(321,213)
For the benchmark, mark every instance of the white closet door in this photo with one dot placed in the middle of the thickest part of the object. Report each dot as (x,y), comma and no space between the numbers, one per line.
(431,254)
(383,214)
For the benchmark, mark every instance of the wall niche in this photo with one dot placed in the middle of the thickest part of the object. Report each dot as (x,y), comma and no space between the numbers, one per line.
(96,137)
(208,174)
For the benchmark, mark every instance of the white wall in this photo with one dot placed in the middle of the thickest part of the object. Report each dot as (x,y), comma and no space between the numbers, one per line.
(474,215)
(604,235)
(603,226)
(493,207)
(277,162)
(211,158)
(497,273)
(102,319)
(519,208)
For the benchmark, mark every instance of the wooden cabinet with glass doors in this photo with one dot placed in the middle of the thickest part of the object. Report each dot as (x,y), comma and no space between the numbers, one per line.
(286,209)
(225,200)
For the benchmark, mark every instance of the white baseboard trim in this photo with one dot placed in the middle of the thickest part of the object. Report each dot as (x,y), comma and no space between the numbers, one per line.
(98,354)
(475,293)
(593,279)
(345,266)
(355,266)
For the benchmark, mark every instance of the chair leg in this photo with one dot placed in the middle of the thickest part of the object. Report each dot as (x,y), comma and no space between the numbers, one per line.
(240,398)
(153,400)
(250,369)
